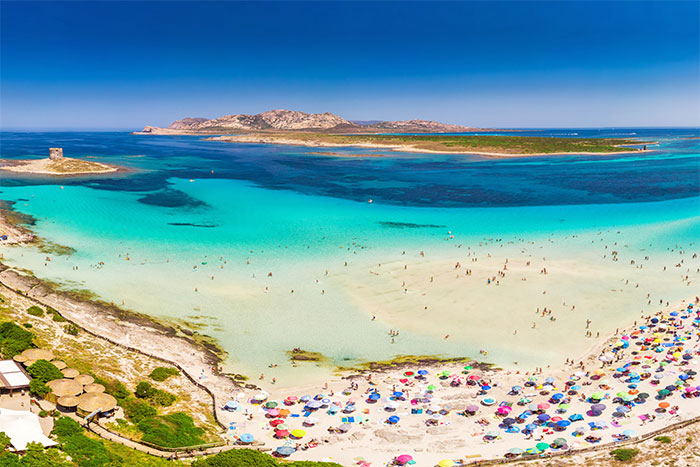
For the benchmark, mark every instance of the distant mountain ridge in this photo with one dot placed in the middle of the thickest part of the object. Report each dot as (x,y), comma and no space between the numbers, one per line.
(292,120)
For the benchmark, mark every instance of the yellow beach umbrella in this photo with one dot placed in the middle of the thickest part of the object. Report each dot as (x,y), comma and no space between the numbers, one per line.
(446,463)
(298,433)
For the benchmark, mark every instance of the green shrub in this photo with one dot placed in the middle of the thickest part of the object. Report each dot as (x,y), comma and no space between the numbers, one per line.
(57,317)
(43,413)
(38,388)
(84,451)
(71,329)
(162,373)
(14,340)
(137,410)
(44,371)
(27,325)
(5,441)
(663,439)
(35,311)
(157,396)
(173,430)
(624,454)
(252,458)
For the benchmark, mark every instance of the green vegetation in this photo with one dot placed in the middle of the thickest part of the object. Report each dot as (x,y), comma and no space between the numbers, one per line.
(157,396)
(5,441)
(35,311)
(14,340)
(85,452)
(663,439)
(44,371)
(113,387)
(71,329)
(412,360)
(35,456)
(137,411)
(486,144)
(173,430)
(624,454)
(251,458)
(162,373)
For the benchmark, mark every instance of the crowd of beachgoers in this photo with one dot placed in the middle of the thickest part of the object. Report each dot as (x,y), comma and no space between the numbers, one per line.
(641,380)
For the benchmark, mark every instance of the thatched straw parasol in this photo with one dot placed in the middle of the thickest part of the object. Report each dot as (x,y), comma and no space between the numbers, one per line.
(38,354)
(19,358)
(93,401)
(59,364)
(68,401)
(70,373)
(84,379)
(94,387)
(65,387)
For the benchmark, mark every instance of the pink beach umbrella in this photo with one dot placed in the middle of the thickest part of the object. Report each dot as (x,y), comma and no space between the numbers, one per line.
(505,410)
(543,406)
(475,377)
(404,459)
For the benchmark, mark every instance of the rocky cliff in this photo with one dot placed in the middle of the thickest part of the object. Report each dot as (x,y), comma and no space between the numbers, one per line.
(290,120)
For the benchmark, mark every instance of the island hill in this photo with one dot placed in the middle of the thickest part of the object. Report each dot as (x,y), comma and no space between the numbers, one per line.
(56,164)
(328,130)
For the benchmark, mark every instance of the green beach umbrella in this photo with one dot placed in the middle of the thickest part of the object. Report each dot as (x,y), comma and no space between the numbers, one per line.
(467,367)
(664,392)
(559,442)
(621,394)
(598,395)
(271,405)
(541,446)
(564,406)
(431,388)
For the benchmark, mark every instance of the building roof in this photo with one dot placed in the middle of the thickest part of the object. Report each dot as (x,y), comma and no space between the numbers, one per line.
(13,376)
(22,427)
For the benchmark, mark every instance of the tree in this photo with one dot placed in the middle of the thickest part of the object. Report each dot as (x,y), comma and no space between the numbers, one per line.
(14,340)
(44,371)
(5,441)
(38,388)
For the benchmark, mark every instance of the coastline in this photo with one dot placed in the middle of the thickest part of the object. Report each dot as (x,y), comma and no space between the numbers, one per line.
(58,168)
(263,139)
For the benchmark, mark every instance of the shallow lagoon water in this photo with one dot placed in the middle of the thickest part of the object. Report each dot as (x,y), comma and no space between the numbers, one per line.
(282,210)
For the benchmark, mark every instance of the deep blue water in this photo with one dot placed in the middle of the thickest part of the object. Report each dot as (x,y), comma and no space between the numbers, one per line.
(670,172)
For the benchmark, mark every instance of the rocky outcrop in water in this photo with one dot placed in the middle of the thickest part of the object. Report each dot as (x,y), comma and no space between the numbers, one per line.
(292,120)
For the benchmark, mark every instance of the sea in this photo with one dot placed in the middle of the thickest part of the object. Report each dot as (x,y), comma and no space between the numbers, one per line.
(267,248)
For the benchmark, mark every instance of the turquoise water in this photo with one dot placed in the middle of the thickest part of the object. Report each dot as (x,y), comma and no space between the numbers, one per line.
(239,213)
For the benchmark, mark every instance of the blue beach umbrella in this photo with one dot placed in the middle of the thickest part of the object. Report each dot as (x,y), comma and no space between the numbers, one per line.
(563,423)
(285,451)
(575,417)
(530,426)
(374,396)
(393,419)
(543,417)
(247,438)
(422,372)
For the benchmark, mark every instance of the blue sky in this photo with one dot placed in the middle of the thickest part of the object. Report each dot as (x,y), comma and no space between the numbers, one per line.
(499,64)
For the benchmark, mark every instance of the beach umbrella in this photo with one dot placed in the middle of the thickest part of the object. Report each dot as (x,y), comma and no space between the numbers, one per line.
(398,394)
(516,388)
(664,405)
(285,451)
(281,433)
(404,458)
(564,406)
(393,419)
(516,451)
(273,412)
(559,442)
(530,426)
(270,405)
(557,396)
(261,396)
(549,380)
(374,397)
(276,422)
(541,446)
(310,421)
(391,405)
(472,408)
(575,417)
(563,423)
(488,401)
(664,392)
(305,398)
(504,410)
(284,412)
(532,407)
(493,434)
(446,463)
(542,406)
(524,400)
(345,427)
(629,433)
(298,433)
(642,395)
(598,395)
(623,409)
(422,372)
(282,426)
(543,417)
(314,405)
(508,421)
(247,438)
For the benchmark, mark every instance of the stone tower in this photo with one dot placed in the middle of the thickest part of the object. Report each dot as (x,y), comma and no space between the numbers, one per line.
(55,153)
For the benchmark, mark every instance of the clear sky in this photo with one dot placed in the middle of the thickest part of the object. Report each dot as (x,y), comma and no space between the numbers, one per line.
(500,64)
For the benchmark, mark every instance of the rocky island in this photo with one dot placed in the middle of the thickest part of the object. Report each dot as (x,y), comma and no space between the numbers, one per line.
(327,130)
(56,165)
